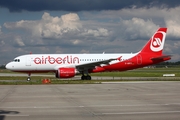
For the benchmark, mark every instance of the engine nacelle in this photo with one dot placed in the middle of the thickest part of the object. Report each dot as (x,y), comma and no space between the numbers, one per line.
(65,72)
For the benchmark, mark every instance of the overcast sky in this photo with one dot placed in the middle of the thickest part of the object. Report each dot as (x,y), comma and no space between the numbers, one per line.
(85,26)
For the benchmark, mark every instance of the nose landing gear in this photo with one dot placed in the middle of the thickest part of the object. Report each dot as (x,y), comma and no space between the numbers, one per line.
(29,77)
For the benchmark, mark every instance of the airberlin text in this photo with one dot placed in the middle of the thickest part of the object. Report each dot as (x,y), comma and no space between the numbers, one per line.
(56,60)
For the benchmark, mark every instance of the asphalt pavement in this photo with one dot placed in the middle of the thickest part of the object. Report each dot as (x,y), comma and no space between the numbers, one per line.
(115,101)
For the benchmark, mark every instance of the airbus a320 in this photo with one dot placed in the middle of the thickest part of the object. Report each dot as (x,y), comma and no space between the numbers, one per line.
(69,65)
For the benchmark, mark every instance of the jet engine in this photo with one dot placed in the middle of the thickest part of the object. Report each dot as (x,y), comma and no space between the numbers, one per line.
(65,72)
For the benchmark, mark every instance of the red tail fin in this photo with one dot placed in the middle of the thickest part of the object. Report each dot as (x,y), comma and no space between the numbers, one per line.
(156,43)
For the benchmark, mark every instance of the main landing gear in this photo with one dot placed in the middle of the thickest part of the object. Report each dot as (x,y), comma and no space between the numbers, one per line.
(85,77)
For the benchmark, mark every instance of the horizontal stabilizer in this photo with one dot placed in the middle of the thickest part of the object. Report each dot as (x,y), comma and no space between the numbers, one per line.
(161,57)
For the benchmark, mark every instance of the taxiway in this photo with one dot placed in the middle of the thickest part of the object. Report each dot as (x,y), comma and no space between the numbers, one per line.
(125,101)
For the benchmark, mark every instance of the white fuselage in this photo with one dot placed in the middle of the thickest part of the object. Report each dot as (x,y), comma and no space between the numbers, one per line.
(51,62)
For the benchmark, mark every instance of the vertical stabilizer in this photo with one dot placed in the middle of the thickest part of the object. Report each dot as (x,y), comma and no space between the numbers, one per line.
(156,44)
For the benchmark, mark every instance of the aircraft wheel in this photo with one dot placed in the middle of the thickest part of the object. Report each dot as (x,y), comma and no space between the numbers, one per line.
(83,77)
(88,77)
(28,79)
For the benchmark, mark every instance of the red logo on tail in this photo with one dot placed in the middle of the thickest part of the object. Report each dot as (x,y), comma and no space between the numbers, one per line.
(157,41)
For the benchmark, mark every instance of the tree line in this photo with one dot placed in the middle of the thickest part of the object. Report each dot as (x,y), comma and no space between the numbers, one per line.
(168,64)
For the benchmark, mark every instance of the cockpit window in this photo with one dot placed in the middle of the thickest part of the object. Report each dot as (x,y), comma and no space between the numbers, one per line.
(16,60)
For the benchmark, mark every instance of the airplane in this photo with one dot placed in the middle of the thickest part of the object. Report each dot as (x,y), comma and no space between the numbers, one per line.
(69,65)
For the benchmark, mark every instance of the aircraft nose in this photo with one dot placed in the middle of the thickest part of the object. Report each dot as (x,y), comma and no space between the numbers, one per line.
(9,66)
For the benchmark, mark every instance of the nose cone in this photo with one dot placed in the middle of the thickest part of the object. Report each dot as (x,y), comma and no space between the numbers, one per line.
(9,66)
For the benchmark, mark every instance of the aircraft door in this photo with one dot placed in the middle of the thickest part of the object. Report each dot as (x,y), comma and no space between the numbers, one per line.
(139,59)
(28,61)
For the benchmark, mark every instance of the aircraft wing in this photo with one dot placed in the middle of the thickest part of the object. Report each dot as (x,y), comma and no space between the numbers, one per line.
(161,57)
(92,65)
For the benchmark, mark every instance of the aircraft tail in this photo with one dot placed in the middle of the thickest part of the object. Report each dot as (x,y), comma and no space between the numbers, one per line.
(156,44)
